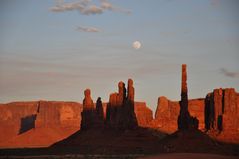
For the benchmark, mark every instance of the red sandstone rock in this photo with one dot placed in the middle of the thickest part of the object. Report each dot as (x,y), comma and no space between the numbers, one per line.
(184,116)
(221,114)
(99,109)
(88,102)
(88,111)
(162,108)
(122,93)
(113,99)
(120,109)
(130,89)
(231,110)
(220,109)
(17,116)
(224,101)
(65,114)
(167,113)
(217,96)
(144,115)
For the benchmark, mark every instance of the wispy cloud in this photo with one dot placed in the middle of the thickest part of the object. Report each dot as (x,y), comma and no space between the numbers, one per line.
(229,73)
(86,7)
(106,5)
(88,29)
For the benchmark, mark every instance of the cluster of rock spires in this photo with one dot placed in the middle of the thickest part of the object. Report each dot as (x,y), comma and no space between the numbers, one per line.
(217,113)
(119,111)
(213,113)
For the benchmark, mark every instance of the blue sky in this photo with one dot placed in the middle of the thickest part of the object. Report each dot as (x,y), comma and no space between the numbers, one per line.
(53,50)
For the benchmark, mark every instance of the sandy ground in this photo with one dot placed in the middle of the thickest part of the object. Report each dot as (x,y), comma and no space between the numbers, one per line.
(190,156)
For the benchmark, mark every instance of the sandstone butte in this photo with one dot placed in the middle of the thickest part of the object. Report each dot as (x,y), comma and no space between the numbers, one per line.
(22,124)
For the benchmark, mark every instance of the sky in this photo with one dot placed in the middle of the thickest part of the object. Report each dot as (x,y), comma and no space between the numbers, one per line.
(54,50)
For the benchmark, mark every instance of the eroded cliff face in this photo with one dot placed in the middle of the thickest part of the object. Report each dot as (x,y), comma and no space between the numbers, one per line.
(222,114)
(144,114)
(11,115)
(22,124)
(38,123)
(217,113)
(167,113)
(60,114)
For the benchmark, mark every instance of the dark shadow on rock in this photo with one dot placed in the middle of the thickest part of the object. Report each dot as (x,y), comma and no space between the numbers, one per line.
(27,123)
(120,112)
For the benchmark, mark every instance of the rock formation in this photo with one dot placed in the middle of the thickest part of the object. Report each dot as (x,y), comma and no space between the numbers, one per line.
(122,93)
(230,115)
(222,113)
(52,114)
(167,113)
(47,116)
(48,121)
(218,113)
(92,116)
(144,115)
(88,111)
(120,109)
(88,102)
(185,121)
(130,89)
(129,117)
(99,109)
(222,125)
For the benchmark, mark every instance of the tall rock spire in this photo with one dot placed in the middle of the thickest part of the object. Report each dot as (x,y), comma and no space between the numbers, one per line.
(184,116)
(88,109)
(185,121)
(184,89)
(88,102)
(122,93)
(130,91)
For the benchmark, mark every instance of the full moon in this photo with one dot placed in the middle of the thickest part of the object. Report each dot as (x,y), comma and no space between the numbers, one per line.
(136,45)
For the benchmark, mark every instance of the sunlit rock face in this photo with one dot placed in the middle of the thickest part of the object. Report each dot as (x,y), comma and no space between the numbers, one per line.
(222,114)
(52,114)
(217,114)
(167,112)
(144,115)
(37,123)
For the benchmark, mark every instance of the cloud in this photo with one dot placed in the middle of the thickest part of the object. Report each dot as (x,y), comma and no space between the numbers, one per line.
(106,5)
(92,10)
(61,6)
(229,74)
(88,29)
(86,7)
